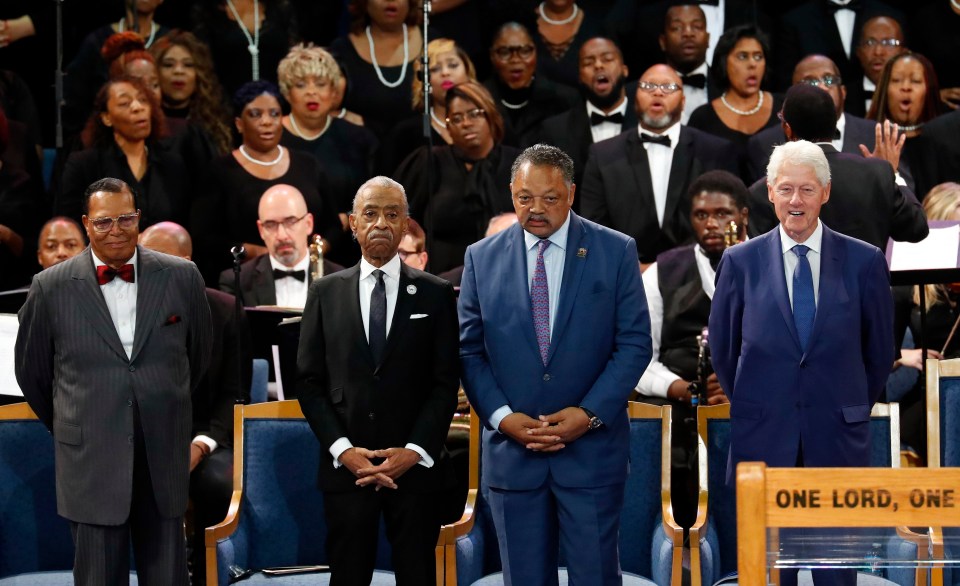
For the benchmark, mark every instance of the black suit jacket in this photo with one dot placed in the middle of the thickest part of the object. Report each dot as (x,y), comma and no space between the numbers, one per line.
(617,190)
(256,281)
(941,134)
(856,131)
(409,397)
(865,202)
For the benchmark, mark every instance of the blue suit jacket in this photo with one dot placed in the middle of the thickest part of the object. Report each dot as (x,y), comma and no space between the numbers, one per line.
(600,347)
(783,395)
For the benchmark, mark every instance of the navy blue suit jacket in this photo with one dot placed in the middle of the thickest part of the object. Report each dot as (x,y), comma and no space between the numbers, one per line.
(782,395)
(599,348)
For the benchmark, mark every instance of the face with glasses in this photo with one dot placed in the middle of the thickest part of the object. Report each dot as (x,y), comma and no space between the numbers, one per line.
(468,127)
(514,58)
(411,252)
(259,123)
(541,198)
(112,225)
(880,39)
(284,224)
(821,72)
(746,65)
(659,99)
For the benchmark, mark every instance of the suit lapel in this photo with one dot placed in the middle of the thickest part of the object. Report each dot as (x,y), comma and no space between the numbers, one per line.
(580,130)
(349,291)
(642,194)
(680,171)
(570,284)
(264,288)
(152,282)
(90,297)
(401,312)
(831,281)
(774,263)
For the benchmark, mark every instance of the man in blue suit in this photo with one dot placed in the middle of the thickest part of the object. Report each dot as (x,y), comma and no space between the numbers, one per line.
(554,334)
(801,332)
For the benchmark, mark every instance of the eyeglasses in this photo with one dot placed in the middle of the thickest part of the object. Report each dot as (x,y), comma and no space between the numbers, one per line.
(288,223)
(457,119)
(667,88)
(405,253)
(826,81)
(527,200)
(125,222)
(523,51)
(885,43)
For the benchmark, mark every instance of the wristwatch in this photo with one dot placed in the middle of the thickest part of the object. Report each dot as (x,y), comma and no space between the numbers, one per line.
(594,422)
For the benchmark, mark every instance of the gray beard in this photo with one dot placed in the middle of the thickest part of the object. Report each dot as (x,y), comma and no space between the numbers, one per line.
(660,123)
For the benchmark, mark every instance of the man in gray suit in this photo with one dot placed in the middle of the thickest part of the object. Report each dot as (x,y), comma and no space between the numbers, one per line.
(111,344)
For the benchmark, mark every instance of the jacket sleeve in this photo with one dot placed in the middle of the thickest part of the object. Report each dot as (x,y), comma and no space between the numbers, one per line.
(877,329)
(726,316)
(198,339)
(33,354)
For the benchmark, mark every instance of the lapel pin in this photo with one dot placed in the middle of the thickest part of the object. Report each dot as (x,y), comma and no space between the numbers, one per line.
(581,253)
(412,289)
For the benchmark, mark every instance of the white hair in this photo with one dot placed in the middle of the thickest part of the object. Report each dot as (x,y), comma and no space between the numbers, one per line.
(799,152)
(384,182)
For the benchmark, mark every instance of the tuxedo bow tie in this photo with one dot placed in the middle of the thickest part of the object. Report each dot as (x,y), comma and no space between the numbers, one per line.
(833,7)
(106,274)
(695,80)
(661,139)
(597,118)
(837,135)
(282,274)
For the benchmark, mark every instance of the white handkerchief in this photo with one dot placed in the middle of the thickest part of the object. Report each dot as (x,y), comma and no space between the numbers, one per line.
(418,315)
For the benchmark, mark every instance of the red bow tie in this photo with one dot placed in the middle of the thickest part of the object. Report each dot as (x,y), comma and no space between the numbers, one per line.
(106,274)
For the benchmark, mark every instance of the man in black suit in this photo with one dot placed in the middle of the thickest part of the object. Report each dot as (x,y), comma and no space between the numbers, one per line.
(378,377)
(281,276)
(227,380)
(865,200)
(636,183)
(880,39)
(684,42)
(603,113)
(942,133)
(852,132)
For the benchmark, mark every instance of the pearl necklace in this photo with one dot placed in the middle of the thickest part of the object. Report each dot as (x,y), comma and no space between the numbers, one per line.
(246,156)
(750,112)
(910,128)
(122,26)
(567,20)
(301,134)
(253,43)
(519,106)
(376,66)
(439,122)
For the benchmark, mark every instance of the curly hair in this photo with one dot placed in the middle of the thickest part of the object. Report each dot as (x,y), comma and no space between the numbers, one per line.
(306,60)
(435,48)
(96,133)
(360,20)
(207,106)
(880,106)
(122,48)
(480,97)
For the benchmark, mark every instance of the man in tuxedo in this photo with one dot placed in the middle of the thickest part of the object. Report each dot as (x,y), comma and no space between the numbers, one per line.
(867,201)
(281,276)
(851,131)
(226,382)
(880,39)
(111,344)
(554,334)
(378,379)
(801,333)
(603,112)
(60,238)
(636,183)
(684,43)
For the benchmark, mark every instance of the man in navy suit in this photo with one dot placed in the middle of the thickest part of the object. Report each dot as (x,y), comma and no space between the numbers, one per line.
(554,334)
(801,332)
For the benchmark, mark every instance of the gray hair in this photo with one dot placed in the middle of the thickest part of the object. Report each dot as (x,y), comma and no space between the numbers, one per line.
(547,156)
(799,152)
(386,183)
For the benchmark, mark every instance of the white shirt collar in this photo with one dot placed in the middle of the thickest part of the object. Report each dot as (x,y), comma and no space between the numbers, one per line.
(390,269)
(132,260)
(814,242)
(620,109)
(558,238)
(868,86)
(672,131)
(303,264)
(702,69)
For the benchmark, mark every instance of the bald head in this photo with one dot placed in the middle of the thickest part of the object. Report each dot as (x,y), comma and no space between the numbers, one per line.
(500,223)
(285,224)
(881,38)
(285,197)
(168,238)
(657,108)
(820,71)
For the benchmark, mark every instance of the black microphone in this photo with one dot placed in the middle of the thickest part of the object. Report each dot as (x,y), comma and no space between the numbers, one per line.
(238,252)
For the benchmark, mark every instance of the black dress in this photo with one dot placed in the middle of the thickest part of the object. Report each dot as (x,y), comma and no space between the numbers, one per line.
(525,109)
(22,211)
(456,214)
(566,70)
(406,137)
(191,141)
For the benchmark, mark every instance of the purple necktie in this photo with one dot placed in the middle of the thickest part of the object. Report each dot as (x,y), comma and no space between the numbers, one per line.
(540,300)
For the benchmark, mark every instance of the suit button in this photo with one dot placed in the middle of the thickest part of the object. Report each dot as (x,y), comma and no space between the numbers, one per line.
(372,416)
(132,368)
(130,439)
(803,365)
(546,377)
(129,402)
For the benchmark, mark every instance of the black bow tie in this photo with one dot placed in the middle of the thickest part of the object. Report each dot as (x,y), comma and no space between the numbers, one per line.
(661,139)
(710,2)
(833,7)
(837,135)
(281,274)
(597,118)
(695,80)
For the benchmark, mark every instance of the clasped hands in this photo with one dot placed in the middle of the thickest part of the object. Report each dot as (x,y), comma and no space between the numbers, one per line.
(548,433)
(396,461)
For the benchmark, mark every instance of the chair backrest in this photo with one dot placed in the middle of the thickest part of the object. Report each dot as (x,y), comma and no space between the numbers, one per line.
(33,537)
(943,413)
(258,380)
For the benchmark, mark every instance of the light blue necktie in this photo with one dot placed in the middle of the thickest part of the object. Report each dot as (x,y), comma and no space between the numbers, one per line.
(804,304)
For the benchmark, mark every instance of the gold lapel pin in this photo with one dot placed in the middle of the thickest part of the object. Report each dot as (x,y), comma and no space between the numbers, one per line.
(581,253)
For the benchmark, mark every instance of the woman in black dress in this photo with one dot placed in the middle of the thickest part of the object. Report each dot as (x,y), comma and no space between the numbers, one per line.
(563,27)
(470,179)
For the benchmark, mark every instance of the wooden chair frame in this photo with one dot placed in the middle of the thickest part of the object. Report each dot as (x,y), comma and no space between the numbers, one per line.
(935,370)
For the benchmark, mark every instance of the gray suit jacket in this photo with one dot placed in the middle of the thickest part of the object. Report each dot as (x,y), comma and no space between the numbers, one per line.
(76,376)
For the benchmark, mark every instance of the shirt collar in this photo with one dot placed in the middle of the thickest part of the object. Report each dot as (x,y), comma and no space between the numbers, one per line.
(133,261)
(620,109)
(391,269)
(673,132)
(304,264)
(702,69)
(842,123)
(814,242)
(558,238)
(868,86)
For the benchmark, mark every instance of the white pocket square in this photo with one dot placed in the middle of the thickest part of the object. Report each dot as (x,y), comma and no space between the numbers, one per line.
(418,316)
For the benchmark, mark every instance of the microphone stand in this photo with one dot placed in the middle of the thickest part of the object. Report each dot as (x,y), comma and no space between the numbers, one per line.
(58,81)
(427,125)
(238,253)
(132,8)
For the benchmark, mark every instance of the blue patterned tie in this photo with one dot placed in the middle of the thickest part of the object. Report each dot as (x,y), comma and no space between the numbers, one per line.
(540,300)
(804,304)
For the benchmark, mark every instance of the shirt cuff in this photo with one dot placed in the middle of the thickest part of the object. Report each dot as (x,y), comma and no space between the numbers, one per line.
(498,416)
(899,180)
(208,441)
(340,446)
(425,460)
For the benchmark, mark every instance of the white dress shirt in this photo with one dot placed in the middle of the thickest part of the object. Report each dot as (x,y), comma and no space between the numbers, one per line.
(868,88)
(845,18)
(715,17)
(121,299)
(607,129)
(841,128)
(290,291)
(553,259)
(391,285)
(660,159)
(814,243)
(693,97)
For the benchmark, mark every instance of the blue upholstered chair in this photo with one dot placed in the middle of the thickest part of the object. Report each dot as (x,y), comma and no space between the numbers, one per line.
(943,448)
(650,541)
(276,514)
(258,380)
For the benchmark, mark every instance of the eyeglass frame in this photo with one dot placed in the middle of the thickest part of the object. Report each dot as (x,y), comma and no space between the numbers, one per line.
(887,43)
(828,80)
(512,50)
(474,114)
(288,223)
(114,221)
(666,88)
